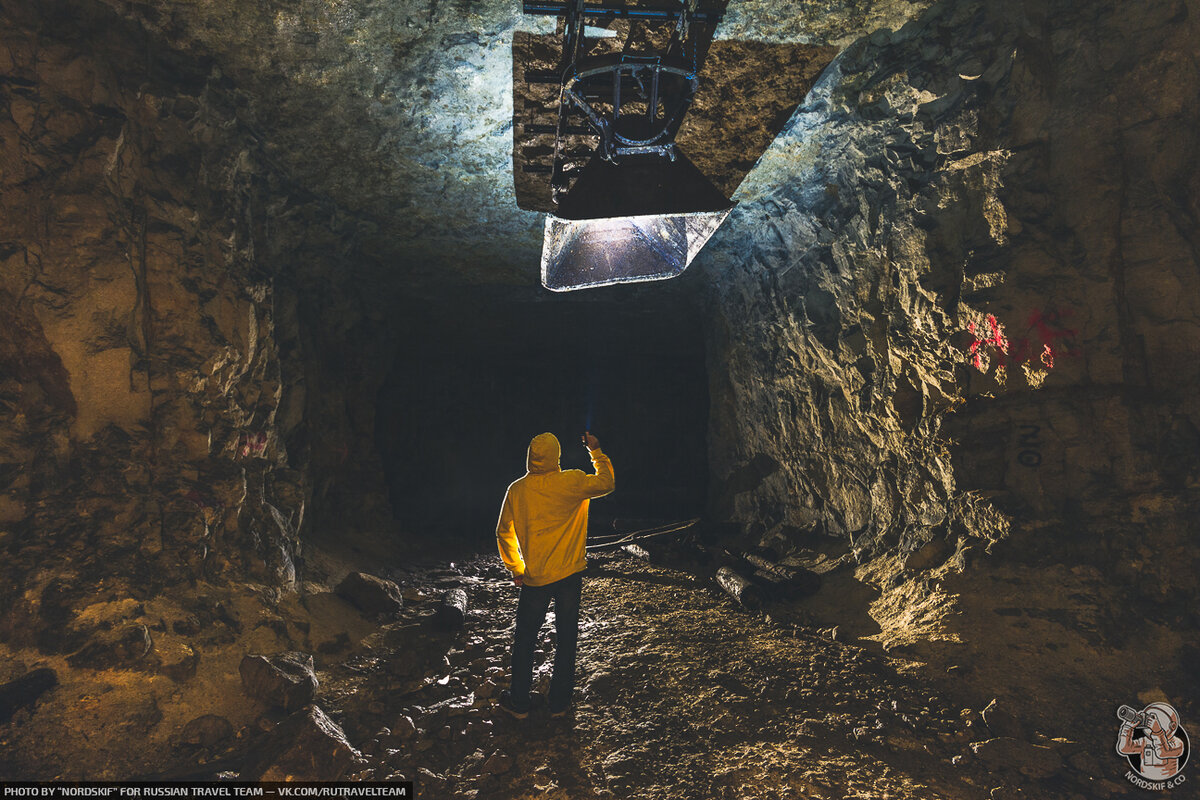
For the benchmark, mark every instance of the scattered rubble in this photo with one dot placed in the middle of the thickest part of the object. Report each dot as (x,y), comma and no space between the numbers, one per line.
(667,665)
(1004,754)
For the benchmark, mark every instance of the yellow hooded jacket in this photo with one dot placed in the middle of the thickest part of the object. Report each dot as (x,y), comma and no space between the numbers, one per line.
(543,522)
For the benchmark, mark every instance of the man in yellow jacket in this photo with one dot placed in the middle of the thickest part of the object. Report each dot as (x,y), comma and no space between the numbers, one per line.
(542,535)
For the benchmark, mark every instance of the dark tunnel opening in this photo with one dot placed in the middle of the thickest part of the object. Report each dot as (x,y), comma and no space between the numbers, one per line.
(463,399)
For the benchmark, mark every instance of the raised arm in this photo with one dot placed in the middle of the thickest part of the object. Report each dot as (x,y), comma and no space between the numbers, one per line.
(603,481)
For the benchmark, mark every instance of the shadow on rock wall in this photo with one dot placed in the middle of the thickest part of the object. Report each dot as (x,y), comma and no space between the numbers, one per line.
(957,302)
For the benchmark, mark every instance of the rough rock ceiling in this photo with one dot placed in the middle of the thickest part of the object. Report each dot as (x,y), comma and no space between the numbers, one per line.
(400,111)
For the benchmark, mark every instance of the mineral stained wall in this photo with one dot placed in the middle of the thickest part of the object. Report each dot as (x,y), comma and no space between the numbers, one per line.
(955,313)
(144,374)
(966,279)
(165,322)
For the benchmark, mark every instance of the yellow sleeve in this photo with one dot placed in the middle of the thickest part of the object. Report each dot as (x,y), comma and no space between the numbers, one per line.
(506,538)
(603,482)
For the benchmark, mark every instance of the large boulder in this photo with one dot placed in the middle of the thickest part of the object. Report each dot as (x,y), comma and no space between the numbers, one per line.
(370,594)
(285,680)
(307,746)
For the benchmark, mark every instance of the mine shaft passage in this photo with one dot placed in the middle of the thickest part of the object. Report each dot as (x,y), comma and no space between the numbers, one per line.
(457,412)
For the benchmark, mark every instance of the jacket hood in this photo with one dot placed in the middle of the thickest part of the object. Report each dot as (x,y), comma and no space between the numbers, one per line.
(544,454)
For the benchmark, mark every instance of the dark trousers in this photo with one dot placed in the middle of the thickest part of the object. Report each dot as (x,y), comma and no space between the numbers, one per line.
(531,613)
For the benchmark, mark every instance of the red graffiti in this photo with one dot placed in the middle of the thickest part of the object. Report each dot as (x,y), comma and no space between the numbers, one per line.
(996,340)
(252,444)
(1046,337)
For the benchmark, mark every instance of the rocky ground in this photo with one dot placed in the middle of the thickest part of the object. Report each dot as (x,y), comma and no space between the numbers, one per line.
(683,694)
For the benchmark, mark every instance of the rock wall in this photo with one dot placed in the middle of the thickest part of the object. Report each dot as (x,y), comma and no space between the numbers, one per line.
(181,358)
(958,297)
(163,331)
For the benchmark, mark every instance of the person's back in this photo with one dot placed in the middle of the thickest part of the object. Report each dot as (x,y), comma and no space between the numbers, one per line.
(543,522)
(542,536)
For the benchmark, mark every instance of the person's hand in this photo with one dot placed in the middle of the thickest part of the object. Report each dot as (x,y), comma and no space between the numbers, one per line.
(1155,727)
(519,580)
(591,441)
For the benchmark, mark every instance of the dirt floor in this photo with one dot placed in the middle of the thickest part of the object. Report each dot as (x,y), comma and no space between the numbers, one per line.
(682,695)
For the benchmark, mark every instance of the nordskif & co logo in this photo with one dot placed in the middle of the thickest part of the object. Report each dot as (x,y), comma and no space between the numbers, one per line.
(1155,745)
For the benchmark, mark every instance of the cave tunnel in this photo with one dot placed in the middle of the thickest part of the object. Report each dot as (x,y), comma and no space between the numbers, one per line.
(906,462)
(456,415)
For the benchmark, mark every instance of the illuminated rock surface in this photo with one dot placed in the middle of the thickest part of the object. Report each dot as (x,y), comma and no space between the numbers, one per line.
(951,359)
(962,321)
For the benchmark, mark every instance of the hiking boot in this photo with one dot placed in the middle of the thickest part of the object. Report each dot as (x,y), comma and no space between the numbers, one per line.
(569,709)
(506,704)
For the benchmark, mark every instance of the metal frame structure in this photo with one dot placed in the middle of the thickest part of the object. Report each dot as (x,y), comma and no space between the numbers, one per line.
(634,102)
(633,208)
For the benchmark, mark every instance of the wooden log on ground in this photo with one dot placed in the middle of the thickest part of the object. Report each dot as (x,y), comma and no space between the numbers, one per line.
(793,581)
(763,563)
(767,553)
(740,589)
(452,611)
(776,588)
